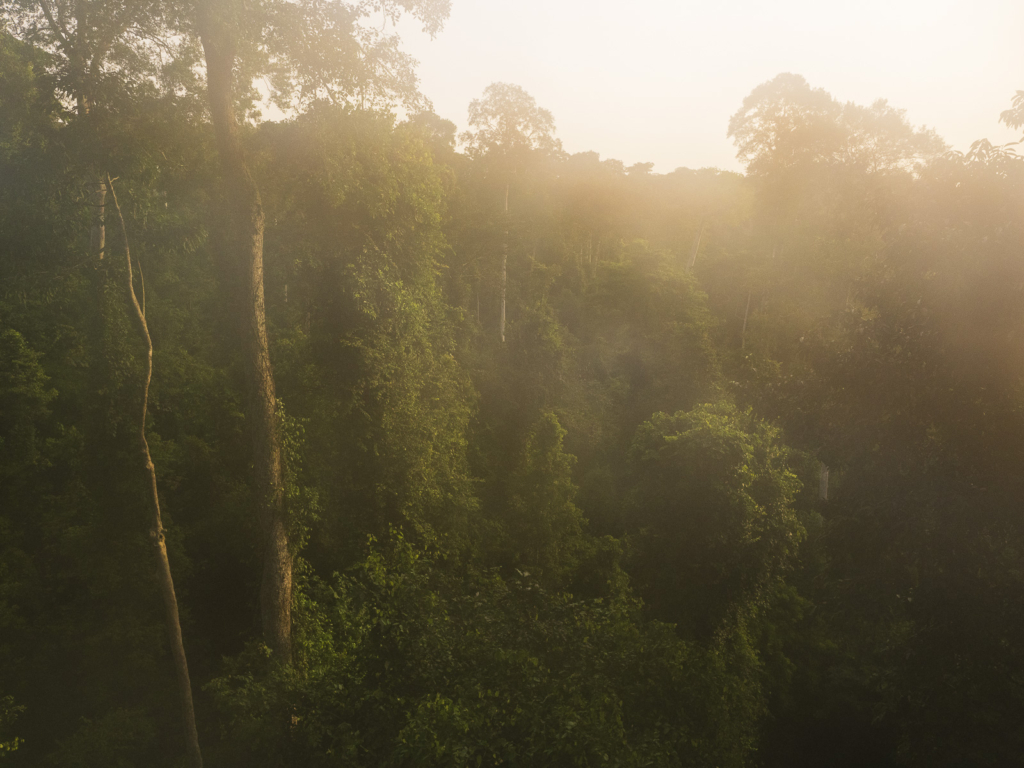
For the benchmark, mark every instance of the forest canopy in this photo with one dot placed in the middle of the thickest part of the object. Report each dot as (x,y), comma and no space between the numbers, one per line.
(348,439)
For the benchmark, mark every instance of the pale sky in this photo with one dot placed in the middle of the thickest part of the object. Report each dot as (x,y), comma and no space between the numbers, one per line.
(656,81)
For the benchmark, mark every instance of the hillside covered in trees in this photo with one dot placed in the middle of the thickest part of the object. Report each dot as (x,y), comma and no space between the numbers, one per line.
(346,440)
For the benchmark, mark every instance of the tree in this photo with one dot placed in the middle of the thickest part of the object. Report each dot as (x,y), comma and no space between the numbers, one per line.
(915,393)
(785,124)
(888,354)
(406,660)
(314,51)
(543,527)
(99,53)
(368,355)
(36,127)
(138,315)
(507,128)
(714,495)
(828,179)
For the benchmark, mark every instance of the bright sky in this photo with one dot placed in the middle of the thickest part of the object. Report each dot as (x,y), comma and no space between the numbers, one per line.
(656,81)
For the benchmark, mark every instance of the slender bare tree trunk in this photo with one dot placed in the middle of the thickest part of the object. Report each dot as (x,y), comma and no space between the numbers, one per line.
(243,245)
(504,270)
(746,314)
(696,244)
(195,757)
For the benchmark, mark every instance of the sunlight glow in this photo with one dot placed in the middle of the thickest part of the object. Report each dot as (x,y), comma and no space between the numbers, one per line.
(656,81)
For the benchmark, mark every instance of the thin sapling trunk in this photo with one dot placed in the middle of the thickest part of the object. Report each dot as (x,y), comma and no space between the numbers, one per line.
(746,314)
(504,269)
(138,315)
(696,245)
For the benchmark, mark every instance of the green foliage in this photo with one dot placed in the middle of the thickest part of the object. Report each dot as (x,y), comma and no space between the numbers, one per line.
(411,661)
(24,398)
(36,220)
(334,52)
(302,500)
(28,109)
(713,497)
(879,340)
(8,714)
(922,404)
(545,503)
(541,529)
(647,328)
(368,350)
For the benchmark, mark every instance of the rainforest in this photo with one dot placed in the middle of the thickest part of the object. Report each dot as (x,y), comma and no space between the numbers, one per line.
(334,435)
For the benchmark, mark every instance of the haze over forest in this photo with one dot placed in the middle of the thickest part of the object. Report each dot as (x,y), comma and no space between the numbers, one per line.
(656,81)
(364,403)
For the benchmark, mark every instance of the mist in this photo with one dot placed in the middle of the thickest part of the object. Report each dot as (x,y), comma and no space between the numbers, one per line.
(428,383)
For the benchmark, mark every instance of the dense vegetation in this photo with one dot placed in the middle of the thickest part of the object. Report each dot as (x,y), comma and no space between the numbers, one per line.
(578,464)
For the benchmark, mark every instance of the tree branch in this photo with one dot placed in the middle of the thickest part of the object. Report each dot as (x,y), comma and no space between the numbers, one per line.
(56,27)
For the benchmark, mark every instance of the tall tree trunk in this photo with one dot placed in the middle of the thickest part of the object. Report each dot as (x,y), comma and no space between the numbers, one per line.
(243,245)
(138,313)
(504,269)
